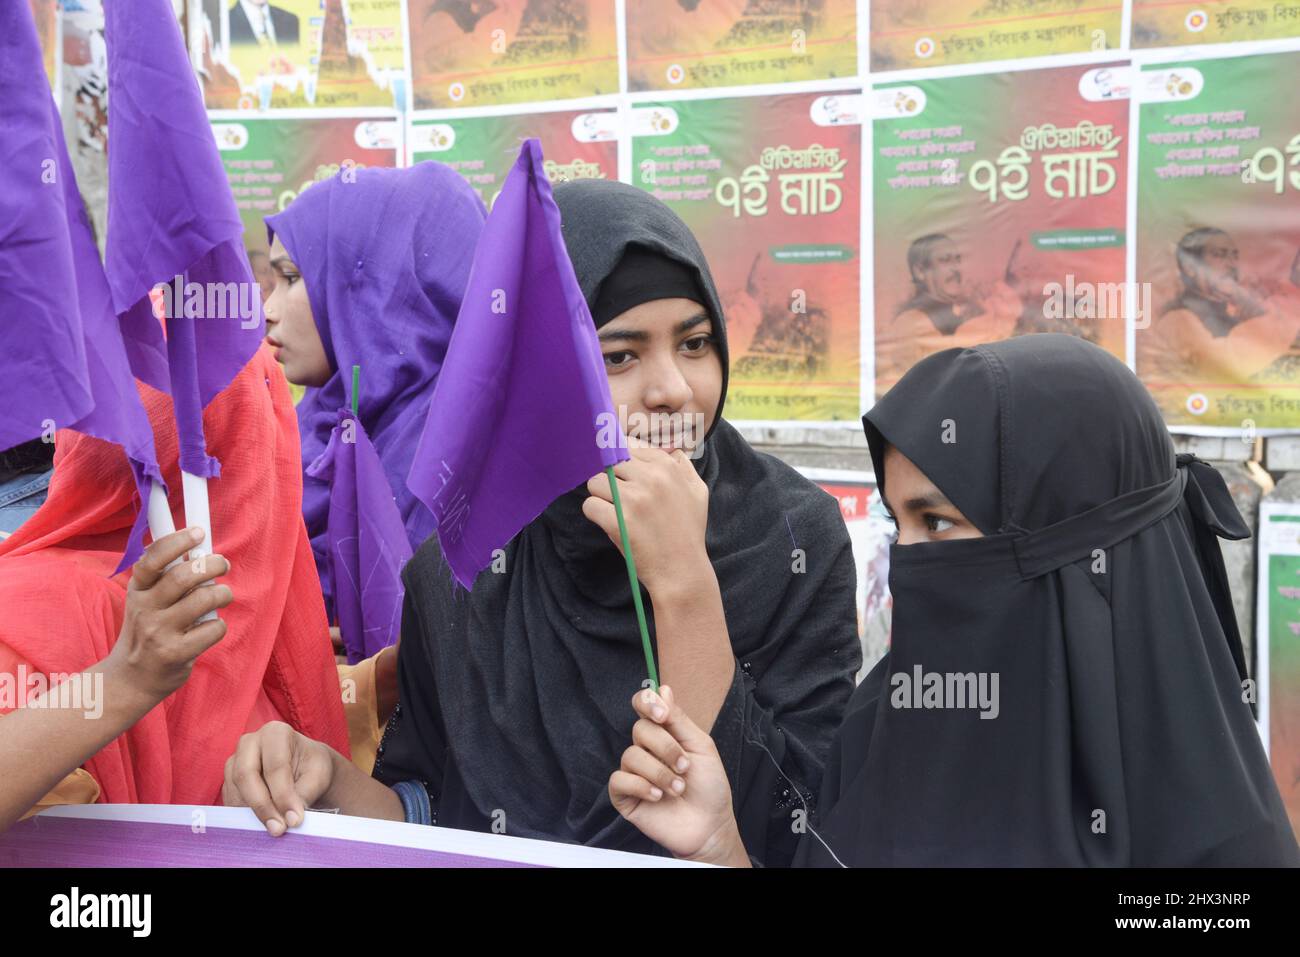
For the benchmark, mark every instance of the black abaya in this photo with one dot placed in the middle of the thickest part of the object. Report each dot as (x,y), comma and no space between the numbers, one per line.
(1098,599)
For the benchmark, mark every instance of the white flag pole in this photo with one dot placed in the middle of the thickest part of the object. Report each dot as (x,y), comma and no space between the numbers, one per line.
(195,489)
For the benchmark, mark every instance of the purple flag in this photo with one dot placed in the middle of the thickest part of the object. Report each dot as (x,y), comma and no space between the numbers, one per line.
(64,363)
(522,396)
(172,220)
(366,538)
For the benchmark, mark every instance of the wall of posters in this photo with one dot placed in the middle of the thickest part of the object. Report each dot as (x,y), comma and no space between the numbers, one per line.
(991,223)
(336,54)
(771,188)
(269,161)
(680,44)
(1218,241)
(1162,23)
(577,144)
(927,33)
(1277,620)
(488,52)
(1001,197)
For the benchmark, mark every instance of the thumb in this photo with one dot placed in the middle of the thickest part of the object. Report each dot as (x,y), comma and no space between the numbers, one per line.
(679,724)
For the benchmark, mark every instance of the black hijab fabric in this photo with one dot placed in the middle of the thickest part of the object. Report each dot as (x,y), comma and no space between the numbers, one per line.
(1100,600)
(516,697)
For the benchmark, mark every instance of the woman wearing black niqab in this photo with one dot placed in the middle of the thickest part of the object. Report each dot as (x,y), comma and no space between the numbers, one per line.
(513,697)
(1093,590)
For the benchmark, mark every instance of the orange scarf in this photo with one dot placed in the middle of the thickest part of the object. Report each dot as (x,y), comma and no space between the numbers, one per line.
(63,613)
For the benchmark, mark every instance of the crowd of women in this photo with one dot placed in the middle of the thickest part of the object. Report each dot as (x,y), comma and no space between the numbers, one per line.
(1050,547)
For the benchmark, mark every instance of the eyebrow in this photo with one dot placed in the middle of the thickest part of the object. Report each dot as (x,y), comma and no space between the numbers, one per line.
(281,263)
(917,503)
(935,499)
(640,335)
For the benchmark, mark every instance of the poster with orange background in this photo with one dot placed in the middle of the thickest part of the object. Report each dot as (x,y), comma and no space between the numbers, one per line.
(684,44)
(493,52)
(925,33)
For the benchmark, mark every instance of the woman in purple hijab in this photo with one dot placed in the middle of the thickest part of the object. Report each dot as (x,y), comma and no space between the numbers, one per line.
(370,269)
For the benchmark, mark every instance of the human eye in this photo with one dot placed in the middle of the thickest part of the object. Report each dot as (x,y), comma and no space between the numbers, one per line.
(617,360)
(697,345)
(938,524)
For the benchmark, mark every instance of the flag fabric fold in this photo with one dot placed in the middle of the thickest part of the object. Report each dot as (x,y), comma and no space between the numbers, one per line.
(172,220)
(367,542)
(65,364)
(522,399)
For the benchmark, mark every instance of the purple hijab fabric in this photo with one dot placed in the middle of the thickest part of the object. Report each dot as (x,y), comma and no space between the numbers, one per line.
(515,419)
(171,213)
(66,362)
(385,254)
(367,544)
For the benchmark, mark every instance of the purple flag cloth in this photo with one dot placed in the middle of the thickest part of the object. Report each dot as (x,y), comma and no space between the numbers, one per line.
(385,255)
(522,399)
(367,543)
(65,363)
(172,220)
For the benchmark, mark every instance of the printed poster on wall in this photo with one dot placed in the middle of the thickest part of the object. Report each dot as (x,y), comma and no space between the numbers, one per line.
(270,161)
(491,52)
(1163,23)
(681,44)
(275,54)
(576,144)
(1277,640)
(926,33)
(771,188)
(998,222)
(1218,241)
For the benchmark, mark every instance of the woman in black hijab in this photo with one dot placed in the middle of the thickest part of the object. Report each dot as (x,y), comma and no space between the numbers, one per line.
(1065,683)
(513,698)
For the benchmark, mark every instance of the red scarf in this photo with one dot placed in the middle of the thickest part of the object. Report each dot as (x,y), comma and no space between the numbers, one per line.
(63,613)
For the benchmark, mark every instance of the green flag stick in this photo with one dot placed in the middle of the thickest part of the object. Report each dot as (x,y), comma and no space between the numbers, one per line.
(636,585)
(356,387)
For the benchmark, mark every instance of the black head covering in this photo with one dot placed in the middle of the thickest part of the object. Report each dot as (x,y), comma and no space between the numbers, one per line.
(1098,597)
(535,668)
(641,276)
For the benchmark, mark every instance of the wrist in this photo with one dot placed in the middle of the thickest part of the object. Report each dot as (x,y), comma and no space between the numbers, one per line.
(124,695)
(724,848)
(686,580)
(336,794)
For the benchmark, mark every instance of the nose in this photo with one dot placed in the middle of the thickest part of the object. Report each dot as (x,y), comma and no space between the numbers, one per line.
(666,388)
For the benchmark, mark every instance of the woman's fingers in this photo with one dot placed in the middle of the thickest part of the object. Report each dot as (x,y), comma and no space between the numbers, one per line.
(202,637)
(598,485)
(637,760)
(627,789)
(662,709)
(186,576)
(603,514)
(197,604)
(153,563)
(277,772)
(656,739)
(249,785)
